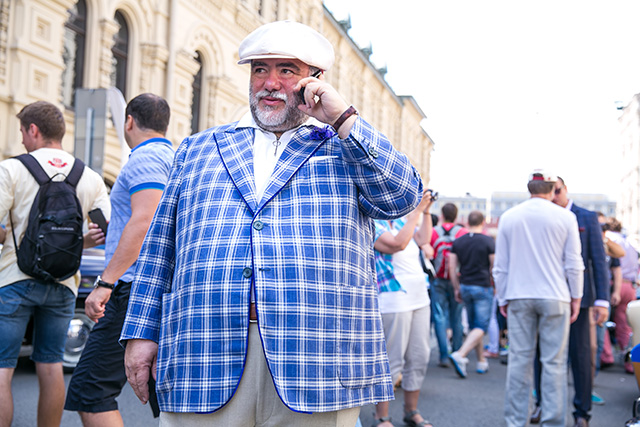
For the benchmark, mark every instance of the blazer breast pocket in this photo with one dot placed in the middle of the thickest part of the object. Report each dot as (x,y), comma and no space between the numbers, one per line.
(320,158)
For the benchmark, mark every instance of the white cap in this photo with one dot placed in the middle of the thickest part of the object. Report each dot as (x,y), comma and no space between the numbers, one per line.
(541,175)
(287,39)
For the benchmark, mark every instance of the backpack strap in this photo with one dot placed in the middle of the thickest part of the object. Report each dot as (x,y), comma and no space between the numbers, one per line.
(38,173)
(455,229)
(76,173)
(34,167)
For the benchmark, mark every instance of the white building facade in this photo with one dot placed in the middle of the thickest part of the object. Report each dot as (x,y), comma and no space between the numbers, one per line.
(182,50)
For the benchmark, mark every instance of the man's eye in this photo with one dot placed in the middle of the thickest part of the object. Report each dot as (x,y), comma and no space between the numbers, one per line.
(258,70)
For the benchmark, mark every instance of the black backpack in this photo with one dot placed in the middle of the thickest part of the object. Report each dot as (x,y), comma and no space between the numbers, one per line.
(51,248)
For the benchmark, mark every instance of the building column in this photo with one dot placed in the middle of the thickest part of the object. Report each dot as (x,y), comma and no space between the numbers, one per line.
(109,28)
(186,68)
(154,59)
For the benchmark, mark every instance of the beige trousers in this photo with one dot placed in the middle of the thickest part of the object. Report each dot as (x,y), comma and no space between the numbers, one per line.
(256,402)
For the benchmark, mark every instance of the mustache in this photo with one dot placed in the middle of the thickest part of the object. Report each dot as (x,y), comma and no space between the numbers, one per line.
(272,94)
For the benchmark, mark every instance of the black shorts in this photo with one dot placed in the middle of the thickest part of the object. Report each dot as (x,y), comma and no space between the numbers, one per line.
(99,377)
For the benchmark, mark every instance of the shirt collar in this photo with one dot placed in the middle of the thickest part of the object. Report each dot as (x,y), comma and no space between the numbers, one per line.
(151,141)
(569,204)
(247,121)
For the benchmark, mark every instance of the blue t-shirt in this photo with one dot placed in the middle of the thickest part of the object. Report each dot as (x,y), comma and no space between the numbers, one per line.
(148,168)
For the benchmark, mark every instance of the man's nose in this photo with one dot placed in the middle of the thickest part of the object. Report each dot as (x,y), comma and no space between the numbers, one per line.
(272,81)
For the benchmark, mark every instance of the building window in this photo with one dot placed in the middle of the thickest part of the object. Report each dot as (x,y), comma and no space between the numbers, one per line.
(197,94)
(75,31)
(120,51)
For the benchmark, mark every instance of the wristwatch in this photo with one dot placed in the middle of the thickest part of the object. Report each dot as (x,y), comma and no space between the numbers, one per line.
(101,283)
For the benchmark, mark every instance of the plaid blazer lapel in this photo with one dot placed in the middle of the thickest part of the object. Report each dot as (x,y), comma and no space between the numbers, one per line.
(297,152)
(236,151)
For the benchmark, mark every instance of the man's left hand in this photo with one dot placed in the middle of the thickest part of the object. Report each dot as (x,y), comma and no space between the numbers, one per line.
(96,302)
(504,309)
(575,309)
(457,296)
(600,314)
(329,105)
(93,237)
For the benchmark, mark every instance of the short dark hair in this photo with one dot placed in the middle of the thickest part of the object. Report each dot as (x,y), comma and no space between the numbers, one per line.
(449,212)
(434,219)
(614,225)
(150,112)
(540,187)
(475,218)
(46,116)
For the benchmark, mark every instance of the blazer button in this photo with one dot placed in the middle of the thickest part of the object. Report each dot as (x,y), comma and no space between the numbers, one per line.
(247,272)
(258,225)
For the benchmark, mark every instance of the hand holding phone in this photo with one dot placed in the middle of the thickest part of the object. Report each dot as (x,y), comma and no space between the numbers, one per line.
(316,75)
(97,217)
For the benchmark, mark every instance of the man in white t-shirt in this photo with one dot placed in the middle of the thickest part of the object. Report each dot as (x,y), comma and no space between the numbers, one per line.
(538,274)
(51,304)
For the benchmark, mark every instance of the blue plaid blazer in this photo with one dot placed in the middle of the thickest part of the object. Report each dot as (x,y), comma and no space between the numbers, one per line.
(307,247)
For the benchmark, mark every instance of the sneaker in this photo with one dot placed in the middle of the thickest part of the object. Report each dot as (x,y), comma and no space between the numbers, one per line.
(482,367)
(459,363)
(596,399)
(504,351)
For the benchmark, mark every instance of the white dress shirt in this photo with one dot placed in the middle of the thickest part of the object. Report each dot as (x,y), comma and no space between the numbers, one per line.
(267,150)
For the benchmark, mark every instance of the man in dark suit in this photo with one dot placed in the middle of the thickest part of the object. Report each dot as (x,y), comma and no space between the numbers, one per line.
(595,300)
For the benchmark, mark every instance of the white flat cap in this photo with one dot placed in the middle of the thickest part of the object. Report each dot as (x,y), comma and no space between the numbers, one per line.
(287,39)
(542,175)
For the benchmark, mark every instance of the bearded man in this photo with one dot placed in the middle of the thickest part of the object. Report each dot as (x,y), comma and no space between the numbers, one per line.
(255,300)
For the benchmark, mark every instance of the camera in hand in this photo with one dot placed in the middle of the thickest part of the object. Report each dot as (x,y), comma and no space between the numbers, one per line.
(434,195)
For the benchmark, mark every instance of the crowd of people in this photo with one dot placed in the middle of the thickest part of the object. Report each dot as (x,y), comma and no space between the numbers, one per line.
(240,279)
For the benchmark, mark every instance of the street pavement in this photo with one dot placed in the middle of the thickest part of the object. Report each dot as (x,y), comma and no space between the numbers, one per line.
(478,400)
(446,399)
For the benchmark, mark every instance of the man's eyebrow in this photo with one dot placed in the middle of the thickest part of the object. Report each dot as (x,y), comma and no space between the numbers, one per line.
(287,65)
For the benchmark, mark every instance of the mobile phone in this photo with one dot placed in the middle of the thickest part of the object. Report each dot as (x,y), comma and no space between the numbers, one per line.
(316,75)
(153,397)
(97,217)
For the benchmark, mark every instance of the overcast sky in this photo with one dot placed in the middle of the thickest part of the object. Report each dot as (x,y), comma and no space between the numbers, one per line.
(508,86)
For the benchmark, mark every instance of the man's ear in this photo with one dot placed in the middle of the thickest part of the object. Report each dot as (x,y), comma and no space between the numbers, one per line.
(128,123)
(34,130)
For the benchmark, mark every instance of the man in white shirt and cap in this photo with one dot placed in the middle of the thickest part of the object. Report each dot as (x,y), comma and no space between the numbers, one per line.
(254,301)
(538,275)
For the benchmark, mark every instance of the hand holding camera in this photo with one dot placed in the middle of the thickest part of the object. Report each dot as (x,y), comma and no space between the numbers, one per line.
(427,199)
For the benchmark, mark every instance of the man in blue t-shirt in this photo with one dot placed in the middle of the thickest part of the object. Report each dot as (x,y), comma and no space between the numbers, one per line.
(100,375)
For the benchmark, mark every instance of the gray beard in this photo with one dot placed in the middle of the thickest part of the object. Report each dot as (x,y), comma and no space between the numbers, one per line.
(266,117)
